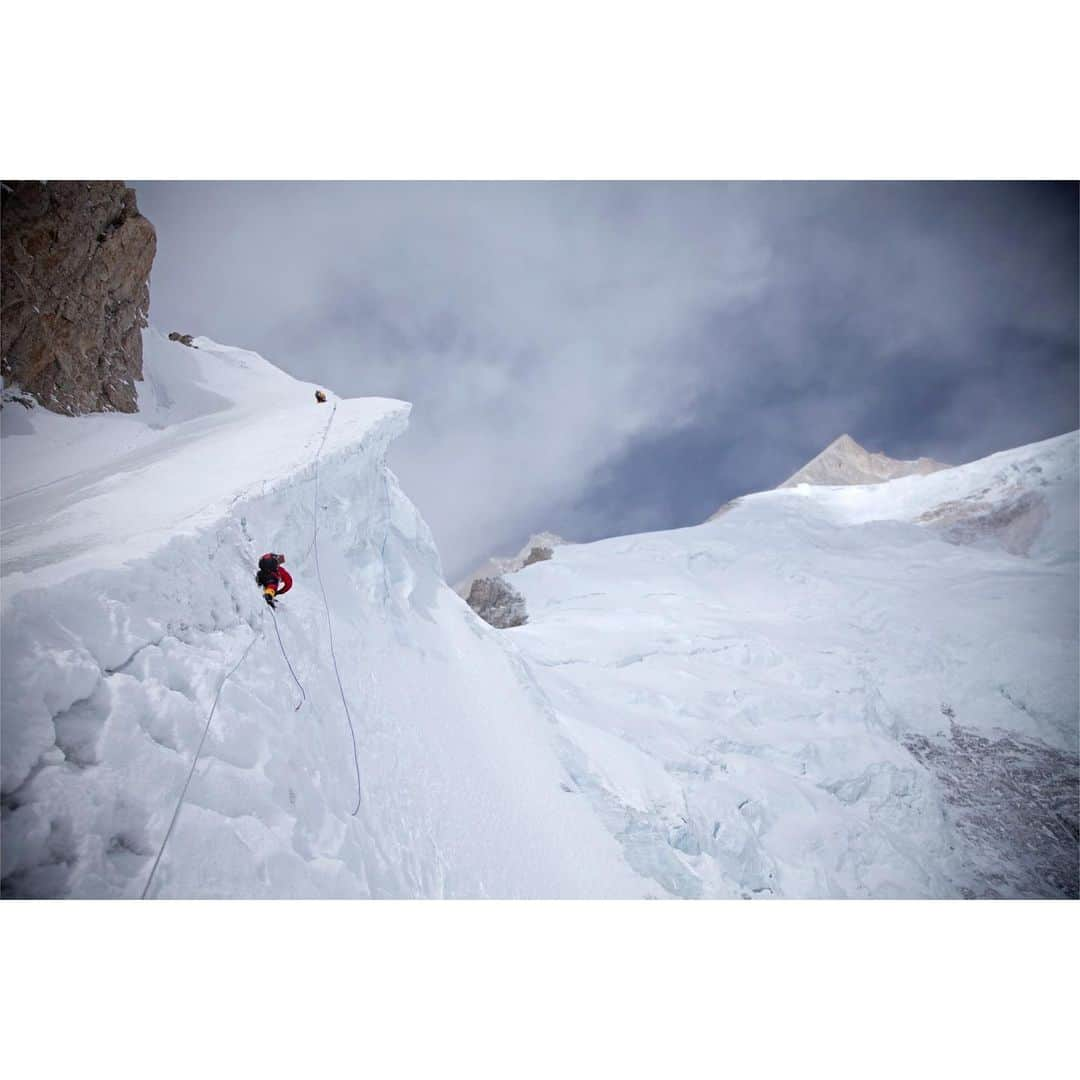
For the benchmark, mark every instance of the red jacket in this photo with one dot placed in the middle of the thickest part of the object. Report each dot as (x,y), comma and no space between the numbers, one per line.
(283,582)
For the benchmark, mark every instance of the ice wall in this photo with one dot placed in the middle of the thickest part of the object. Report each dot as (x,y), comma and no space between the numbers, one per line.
(109,676)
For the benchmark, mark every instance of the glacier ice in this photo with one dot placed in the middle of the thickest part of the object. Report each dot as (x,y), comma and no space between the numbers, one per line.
(862,691)
(849,691)
(128,594)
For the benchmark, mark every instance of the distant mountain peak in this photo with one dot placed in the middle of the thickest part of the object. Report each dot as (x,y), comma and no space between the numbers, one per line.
(844,442)
(844,461)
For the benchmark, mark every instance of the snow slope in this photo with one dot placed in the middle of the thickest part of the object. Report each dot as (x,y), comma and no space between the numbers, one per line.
(128,549)
(859,691)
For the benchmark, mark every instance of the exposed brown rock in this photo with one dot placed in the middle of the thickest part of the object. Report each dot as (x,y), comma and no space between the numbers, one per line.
(76,259)
(184,339)
(844,461)
(538,547)
(497,603)
(538,554)
(1014,524)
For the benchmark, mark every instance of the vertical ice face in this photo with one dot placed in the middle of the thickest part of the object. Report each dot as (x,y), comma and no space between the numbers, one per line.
(856,691)
(128,597)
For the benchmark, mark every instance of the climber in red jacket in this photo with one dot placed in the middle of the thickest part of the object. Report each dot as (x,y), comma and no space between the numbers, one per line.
(273,578)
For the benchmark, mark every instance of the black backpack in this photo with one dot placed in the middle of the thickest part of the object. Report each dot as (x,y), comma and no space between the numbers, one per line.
(267,574)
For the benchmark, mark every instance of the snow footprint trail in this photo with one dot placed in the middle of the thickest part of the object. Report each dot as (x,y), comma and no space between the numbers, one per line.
(194,762)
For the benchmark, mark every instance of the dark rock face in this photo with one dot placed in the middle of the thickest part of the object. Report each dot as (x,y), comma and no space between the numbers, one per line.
(497,603)
(76,259)
(184,339)
(1013,804)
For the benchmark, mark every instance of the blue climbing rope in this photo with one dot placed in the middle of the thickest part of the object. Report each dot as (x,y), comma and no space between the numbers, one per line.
(329,620)
(303,692)
(194,762)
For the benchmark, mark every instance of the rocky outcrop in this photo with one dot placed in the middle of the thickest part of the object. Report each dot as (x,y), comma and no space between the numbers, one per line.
(76,259)
(184,339)
(487,592)
(497,603)
(1013,523)
(538,547)
(844,461)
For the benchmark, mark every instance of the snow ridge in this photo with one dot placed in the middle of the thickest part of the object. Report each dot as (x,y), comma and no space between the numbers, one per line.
(827,691)
(847,691)
(121,619)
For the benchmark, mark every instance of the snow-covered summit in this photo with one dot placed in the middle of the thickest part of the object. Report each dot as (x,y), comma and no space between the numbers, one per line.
(844,461)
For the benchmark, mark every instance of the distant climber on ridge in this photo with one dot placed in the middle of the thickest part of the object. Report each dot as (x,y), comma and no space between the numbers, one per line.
(273,578)
(320,396)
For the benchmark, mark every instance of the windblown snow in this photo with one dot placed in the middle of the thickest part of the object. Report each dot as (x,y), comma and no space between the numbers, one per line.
(864,691)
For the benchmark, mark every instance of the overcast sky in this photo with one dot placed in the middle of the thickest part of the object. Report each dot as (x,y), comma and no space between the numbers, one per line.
(603,358)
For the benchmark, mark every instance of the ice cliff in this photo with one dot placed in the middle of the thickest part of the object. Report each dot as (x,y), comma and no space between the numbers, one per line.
(864,690)
(128,551)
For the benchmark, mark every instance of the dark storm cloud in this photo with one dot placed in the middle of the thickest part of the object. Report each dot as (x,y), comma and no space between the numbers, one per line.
(599,358)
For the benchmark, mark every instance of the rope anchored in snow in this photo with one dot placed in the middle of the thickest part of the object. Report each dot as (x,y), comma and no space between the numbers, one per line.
(329,621)
(303,692)
(285,655)
(194,762)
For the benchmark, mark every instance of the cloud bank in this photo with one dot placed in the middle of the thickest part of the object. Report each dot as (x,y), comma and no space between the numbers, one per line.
(597,358)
